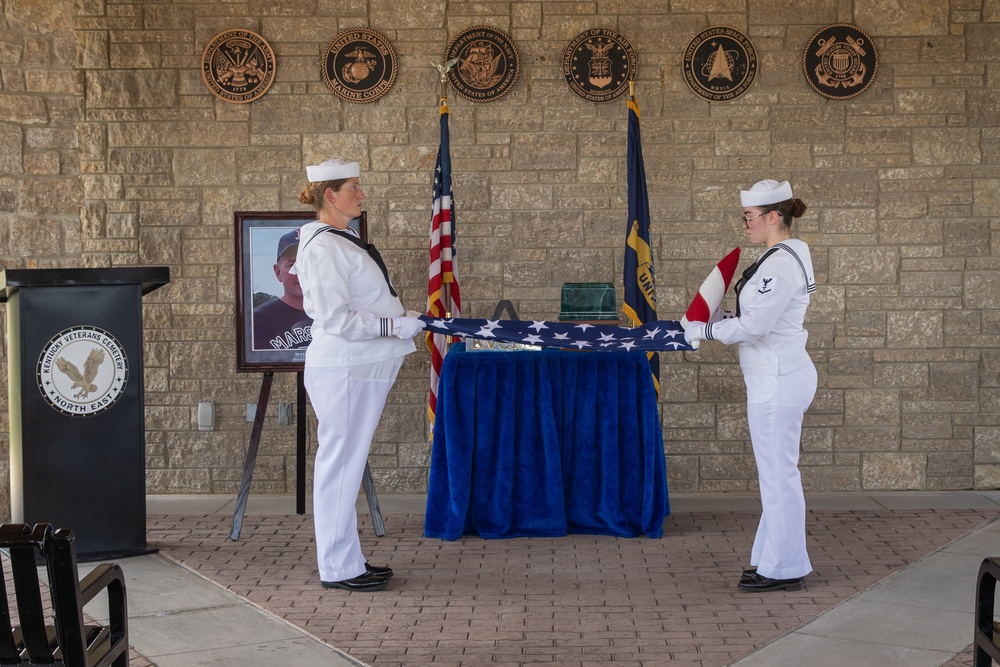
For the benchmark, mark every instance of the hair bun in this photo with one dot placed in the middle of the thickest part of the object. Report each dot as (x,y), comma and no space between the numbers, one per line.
(798,208)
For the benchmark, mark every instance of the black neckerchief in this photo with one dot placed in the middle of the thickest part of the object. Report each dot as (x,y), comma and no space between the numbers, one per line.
(748,274)
(367,247)
(752,269)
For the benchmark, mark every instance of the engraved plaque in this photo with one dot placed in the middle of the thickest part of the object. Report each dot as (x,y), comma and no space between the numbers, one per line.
(720,64)
(488,64)
(359,65)
(840,61)
(598,65)
(238,66)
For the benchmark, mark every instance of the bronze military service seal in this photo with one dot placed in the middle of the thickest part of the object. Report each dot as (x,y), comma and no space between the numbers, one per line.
(720,64)
(598,65)
(488,64)
(238,66)
(82,371)
(840,61)
(359,65)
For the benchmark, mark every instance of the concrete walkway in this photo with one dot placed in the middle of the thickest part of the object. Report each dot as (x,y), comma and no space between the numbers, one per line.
(921,615)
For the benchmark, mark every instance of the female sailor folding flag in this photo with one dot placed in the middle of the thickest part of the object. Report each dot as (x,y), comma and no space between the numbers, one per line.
(657,336)
(709,296)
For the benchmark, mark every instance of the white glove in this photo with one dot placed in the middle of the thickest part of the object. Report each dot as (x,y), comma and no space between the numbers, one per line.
(694,332)
(407,327)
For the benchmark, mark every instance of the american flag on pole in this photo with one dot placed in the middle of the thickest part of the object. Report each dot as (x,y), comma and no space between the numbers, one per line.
(442,282)
(640,287)
(657,336)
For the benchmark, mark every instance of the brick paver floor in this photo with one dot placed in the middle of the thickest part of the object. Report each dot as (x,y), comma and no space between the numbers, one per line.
(580,601)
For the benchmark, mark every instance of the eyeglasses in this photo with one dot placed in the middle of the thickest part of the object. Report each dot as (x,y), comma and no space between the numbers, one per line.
(746,220)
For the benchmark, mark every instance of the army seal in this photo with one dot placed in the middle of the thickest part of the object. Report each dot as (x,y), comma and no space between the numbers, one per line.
(488,64)
(82,371)
(720,64)
(359,65)
(238,66)
(598,64)
(840,61)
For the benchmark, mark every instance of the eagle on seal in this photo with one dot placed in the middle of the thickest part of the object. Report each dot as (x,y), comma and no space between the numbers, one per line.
(83,381)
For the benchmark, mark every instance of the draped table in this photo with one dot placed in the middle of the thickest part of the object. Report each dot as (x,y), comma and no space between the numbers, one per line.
(546,443)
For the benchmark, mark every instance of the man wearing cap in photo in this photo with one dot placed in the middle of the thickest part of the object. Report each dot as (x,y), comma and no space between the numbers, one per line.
(771,301)
(361,334)
(281,323)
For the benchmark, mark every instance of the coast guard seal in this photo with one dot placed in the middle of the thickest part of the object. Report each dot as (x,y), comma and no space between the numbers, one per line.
(82,371)
(840,61)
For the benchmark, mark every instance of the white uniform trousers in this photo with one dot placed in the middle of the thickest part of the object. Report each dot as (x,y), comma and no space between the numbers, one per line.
(348,402)
(776,405)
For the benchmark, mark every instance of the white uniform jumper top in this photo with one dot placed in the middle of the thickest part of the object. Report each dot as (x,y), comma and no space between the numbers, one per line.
(781,383)
(350,367)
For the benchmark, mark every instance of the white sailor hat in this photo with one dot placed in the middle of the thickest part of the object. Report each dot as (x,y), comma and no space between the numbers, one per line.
(332,170)
(763,193)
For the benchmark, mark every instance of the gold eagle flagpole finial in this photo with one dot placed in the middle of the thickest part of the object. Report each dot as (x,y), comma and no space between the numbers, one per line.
(443,71)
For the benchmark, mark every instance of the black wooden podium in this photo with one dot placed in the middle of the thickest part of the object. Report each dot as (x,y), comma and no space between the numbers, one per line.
(76,400)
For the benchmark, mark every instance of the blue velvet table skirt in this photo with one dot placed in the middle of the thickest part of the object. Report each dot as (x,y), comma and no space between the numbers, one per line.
(541,444)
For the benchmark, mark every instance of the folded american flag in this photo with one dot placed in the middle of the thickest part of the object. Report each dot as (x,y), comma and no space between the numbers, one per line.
(658,336)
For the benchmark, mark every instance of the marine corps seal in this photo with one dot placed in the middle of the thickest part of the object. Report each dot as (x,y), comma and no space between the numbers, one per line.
(840,61)
(720,64)
(82,371)
(598,64)
(238,66)
(359,65)
(488,64)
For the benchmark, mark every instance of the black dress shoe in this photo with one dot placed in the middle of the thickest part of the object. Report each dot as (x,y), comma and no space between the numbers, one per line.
(384,572)
(748,574)
(363,582)
(761,584)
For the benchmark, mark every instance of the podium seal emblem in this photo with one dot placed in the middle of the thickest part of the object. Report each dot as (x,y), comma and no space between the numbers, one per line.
(720,64)
(238,66)
(488,64)
(840,61)
(82,371)
(359,65)
(598,65)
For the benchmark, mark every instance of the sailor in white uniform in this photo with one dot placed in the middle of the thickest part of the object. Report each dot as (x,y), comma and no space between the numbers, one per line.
(360,336)
(772,297)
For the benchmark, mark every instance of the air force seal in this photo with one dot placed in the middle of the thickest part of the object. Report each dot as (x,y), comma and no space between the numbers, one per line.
(598,65)
(82,371)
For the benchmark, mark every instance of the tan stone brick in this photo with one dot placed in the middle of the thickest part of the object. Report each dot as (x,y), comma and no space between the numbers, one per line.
(204,167)
(864,265)
(131,89)
(22,109)
(946,146)
(885,471)
(982,289)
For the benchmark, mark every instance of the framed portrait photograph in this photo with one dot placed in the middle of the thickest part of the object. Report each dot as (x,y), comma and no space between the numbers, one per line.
(272,329)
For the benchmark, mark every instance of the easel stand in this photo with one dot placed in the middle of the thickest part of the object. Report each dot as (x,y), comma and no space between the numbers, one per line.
(300,459)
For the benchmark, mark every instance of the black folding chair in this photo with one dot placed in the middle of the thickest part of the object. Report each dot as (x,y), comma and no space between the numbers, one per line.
(67,641)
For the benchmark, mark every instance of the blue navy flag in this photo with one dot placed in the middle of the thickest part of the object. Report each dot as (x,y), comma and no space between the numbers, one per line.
(640,287)
(658,336)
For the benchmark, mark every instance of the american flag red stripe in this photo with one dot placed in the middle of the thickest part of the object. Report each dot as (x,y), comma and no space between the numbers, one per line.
(443,298)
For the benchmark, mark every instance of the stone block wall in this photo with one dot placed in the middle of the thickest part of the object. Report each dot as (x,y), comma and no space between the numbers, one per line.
(114,153)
